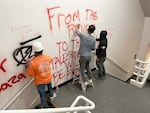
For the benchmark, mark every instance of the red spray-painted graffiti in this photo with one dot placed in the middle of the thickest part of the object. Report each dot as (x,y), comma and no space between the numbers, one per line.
(66,61)
(69,19)
(1,65)
(12,80)
(24,52)
(91,14)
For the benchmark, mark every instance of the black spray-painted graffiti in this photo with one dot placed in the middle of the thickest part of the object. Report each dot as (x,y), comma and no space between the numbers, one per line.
(23,53)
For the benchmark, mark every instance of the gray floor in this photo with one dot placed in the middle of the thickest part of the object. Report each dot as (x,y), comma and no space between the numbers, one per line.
(110,95)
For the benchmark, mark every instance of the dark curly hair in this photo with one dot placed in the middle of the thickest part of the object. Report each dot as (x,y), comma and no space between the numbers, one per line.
(91,29)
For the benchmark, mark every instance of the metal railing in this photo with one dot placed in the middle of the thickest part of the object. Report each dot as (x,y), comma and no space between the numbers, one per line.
(142,70)
(89,105)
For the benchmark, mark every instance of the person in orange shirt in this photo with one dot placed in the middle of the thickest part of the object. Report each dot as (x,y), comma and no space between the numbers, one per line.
(39,68)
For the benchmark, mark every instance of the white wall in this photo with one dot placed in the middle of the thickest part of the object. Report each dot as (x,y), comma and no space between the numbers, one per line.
(145,39)
(124,23)
(23,20)
(126,36)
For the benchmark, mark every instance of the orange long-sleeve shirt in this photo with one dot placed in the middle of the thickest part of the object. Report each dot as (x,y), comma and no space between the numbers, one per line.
(39,68)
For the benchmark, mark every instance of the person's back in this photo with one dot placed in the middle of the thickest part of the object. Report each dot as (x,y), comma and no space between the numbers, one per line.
(40,69)
(101,50)
(101,54)
(87,44)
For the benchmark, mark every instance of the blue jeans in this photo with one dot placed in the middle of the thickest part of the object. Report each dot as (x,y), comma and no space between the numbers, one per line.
(42,93)
(85,66)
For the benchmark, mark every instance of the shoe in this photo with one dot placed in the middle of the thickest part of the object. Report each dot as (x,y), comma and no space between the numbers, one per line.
(53,97)
(90,83)
(84,86)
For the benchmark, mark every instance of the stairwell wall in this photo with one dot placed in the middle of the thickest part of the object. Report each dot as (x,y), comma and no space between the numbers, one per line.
(51,22)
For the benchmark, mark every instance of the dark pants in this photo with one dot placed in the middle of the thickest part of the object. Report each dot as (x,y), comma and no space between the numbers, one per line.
(85,66)
(42,93)
(100,66)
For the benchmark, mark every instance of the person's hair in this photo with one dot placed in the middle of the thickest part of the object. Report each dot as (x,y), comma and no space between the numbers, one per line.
(91,29)
(103,34)
(36,53)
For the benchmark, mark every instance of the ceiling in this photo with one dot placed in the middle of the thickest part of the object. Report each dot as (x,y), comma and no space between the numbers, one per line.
(145,4)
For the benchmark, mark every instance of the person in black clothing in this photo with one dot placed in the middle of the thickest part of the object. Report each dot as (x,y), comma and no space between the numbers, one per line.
(101,53)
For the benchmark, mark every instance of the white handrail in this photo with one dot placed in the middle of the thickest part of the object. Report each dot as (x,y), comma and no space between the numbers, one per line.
(141,61)
(141,72)
(73,108)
